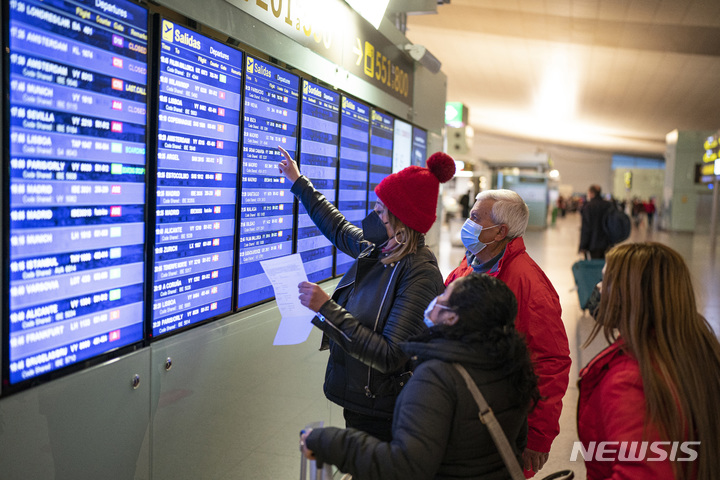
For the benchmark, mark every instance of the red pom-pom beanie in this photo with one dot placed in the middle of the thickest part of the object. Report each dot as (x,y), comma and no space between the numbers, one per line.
(412,193)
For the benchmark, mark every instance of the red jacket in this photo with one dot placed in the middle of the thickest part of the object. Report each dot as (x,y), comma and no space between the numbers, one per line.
(539,320)
(611,408)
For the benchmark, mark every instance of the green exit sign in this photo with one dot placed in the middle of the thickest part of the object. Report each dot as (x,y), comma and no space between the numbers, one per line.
(456,114)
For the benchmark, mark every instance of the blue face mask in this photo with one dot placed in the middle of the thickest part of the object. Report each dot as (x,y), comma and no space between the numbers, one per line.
(374,229)
(428,311)
(426,315)
(470,234)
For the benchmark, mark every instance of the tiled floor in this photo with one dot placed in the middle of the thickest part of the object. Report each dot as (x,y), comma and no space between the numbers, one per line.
(555,250)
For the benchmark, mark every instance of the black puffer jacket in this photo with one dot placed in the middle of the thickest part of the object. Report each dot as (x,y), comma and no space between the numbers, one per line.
(373,309)
(436,430)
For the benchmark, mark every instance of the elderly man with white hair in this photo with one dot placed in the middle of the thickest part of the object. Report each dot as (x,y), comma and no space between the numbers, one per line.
(494,245)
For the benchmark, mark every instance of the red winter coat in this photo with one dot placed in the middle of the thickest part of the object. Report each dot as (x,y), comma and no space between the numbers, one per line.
(539,320)
(611,408)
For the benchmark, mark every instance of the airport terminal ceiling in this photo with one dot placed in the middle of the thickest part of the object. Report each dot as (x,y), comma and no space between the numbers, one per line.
(608,75)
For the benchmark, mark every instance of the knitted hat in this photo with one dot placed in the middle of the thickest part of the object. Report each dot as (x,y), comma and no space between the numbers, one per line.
(412,193)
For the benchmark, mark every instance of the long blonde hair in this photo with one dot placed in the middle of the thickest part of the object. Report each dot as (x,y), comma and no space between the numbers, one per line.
(407,238)
(647,296)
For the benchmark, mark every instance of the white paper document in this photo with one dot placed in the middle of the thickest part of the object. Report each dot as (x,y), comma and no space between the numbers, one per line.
(285,274)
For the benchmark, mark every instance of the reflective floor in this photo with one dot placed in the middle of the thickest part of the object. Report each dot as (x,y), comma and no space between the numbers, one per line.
(555,250)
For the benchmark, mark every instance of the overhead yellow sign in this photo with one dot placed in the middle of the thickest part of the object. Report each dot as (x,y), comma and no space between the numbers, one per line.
(338,33)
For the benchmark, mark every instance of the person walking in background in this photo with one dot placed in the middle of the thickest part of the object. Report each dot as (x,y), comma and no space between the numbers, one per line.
(637,209)
(562,205)
(650,211)
(380,300)
(465,204)
(593,239)
(436,432)
(492,236)
(659,380)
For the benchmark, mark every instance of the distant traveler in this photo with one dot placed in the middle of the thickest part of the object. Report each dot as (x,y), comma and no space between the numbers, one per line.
(650,211)
(465,204)
(659,381)
(437,433)
(638,208)
(380,300)
(593,239)
(493,239)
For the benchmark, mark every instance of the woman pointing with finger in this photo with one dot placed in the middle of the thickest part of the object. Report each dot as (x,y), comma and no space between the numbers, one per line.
(380,301)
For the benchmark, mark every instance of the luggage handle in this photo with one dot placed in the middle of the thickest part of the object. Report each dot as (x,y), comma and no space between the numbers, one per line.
(318,470)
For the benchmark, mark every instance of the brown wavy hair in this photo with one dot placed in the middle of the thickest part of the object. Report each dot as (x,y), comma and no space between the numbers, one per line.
(408,240)
(648,298)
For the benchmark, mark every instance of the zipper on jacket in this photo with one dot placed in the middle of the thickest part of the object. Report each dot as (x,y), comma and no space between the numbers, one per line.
(336,328)
(368,392)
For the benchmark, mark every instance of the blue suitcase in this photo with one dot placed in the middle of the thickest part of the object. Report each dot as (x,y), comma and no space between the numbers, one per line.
(587,273)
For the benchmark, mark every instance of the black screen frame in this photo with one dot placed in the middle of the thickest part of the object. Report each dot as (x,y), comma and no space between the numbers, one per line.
(8,388)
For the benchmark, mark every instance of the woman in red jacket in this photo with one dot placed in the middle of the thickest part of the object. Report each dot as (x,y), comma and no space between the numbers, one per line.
(648,403)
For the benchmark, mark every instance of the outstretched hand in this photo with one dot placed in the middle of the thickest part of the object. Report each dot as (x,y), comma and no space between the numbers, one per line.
(312,296)
(288,166)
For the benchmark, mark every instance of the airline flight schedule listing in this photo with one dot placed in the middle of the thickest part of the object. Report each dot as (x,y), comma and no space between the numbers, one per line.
(78,80)
(78,131)
(198,125)
(381,152)
(354,151)
(318,157)
(266,211)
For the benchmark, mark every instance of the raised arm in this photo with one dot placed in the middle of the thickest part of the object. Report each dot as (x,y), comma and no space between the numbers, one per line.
(333,224)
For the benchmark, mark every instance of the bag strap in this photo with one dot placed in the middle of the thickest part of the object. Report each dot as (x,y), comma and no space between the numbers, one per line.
(487,417)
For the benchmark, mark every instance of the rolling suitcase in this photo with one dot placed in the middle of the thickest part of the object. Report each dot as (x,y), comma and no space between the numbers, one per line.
(587,273)
(312,469)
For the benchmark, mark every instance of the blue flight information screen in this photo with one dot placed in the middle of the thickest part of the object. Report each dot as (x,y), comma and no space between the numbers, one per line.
(78,81)
(381,152)
(419,147)
(266,209)
(198,135)
(319,124)
(353,175)
(402,146)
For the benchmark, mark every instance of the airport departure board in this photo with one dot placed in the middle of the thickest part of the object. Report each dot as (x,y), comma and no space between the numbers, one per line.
(318,159)
(419,147)
(402,145)
(266,209)
(78,80)
(353,175)
(198,138)
(381,152)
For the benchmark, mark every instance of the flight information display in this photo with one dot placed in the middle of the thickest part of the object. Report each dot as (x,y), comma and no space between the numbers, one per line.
(381,152)
(419,147)
(198,135)
(266,210)
(402,145)
(353,175)
(78,80)
(319,124)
